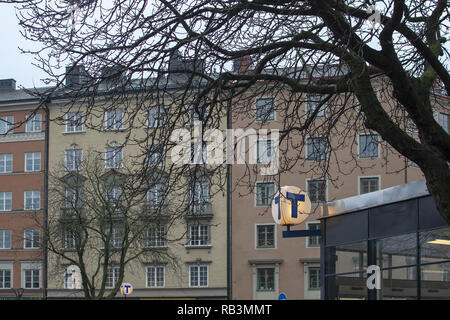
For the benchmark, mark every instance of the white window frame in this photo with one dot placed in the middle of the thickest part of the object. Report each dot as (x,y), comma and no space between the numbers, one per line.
(200,193)
(114,271)
(272,116)
(274,278)
(316,158)
(4,159)
(310,102)
(157,122)
(197,267)
(7,266)
(155,267)
(194,154)
(265,158)
(117,236)
(111,123)
(33,267)
(35,194)
(309,278)
(72,280)
(5,237)
(359,182)
(33,123)
(359,145)
(155,195)
(199,240)
(274,236)
(194,116)
(34,233)
(157,157)
(3,199)
(33,161)
(8,126)
(256,192)
(113,160)
(71,128)
(326,188)
(315,222)
(77,159)
(155,236)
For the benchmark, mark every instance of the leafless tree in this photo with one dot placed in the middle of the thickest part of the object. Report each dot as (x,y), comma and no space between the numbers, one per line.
(340,49)
(100,219)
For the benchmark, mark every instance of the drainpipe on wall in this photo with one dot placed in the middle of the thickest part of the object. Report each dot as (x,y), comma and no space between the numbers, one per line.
(229,211)
(46,153)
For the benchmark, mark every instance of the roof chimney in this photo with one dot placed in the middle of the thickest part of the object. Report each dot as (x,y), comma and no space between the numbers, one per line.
(7,85)
(243,64)
(75,75)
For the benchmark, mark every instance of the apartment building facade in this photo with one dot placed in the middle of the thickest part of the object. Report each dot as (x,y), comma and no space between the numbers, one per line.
(181,216)
(21,193)
(264,264)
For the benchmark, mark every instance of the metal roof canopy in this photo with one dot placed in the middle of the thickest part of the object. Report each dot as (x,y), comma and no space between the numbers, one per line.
(394,194)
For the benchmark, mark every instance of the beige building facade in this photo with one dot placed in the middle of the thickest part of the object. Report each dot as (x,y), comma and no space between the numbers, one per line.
(189,259)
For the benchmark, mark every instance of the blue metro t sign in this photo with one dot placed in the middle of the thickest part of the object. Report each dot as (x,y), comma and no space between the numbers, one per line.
(290,206)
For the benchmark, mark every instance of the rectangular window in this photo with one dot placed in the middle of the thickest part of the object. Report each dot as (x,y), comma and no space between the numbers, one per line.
(201,193)
(32,200)
(69,239)
(72,278)
(199,154)
(5,163)
(264,193)
(5,278)
(5,239)
(114,119)
(32,161)
(113,157)
(198,276)
(314,241)
(265,109)
(313,102)
(31,239)
(199,235)
(155,237)
(368,146)
(34,123)
(31,278)
(155,276)
(155,195)
(74,122)
(114,197)
(367,185)
(156,117)
(6,124)
(116,236)
(443,120)
(156,155)
(112,276)
(73,159)
(314,278)
(265,279)
(74,198)
(264,151)
(316,149)
(265,236)
(317,190)
(5,201)
(201,114)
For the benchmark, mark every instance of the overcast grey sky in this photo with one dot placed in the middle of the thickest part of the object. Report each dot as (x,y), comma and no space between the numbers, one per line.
(14,64)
